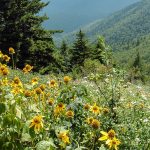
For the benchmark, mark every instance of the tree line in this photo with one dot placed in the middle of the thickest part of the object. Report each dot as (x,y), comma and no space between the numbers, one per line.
(21,28)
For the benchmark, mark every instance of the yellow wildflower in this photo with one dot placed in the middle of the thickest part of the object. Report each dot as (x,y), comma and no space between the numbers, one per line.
(60,106)
(5,72)
(141,105)
(6,58)
(27,93)
(52,83)
(5,81)
(27,68)
(69,113)
(11,50)
(95,109)
(34,80)
(51,102)
(86,106)
(59,109)
(38,91)
(64,136)
(16,82)
(1,54)
(66,79)
(89,120)
(42,87)
(107,136)
(95,124)
(17,90)
(113,143)
(105,110)
(37,123)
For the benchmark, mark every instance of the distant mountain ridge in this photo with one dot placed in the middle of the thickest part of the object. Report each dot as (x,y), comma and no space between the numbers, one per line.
(68,15)
(122,27)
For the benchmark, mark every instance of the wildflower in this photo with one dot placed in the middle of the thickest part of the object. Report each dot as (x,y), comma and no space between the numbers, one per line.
(141,105)
(27,68)
(60,106)
(11,50)
(59,109)
(27,93)
(64,136)
(113,143)
(89,120)
(42,87)
(51,102)
(17,90)
(52,83)
(56,112)
(5,72)
(48,95)
(4,81)
(95,124)
(105,110)
(69,114)
(34,81)
(38,91)
(37,123)
(107,136)
(95,109)
(1,54)
(2,67)
(16,82)
(129,105)
(66,79)
(6,58)
(86,106)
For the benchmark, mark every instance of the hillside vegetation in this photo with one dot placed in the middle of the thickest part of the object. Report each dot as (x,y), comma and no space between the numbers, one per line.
(121,27)
(124,26)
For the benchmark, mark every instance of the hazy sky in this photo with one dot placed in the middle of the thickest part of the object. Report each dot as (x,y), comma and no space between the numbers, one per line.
(70,14)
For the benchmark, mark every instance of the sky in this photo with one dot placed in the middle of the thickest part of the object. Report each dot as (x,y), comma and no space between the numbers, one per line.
(69,15)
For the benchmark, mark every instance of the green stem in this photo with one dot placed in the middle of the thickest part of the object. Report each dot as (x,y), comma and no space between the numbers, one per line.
(13,62)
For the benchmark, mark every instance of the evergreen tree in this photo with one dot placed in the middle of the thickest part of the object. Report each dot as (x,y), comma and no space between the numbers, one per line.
(65,55)
(137,61)
(137,69)
(80,49)
(101,52)
(21,28)
(63,48)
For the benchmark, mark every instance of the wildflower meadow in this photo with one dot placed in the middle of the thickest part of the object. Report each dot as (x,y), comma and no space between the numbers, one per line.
(54,112)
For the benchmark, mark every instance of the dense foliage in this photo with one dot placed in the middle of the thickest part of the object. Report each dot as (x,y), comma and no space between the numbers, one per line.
(21,28)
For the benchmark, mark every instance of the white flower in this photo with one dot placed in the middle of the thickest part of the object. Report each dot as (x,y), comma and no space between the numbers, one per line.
(145,120)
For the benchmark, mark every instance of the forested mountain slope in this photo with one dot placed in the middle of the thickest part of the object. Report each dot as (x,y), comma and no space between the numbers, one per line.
(122,27)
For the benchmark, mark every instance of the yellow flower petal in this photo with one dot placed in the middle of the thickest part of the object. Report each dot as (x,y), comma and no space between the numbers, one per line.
(104,133)
(102,138)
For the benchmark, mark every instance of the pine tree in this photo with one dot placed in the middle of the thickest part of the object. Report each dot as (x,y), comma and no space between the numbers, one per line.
(137,68)
(66,56)
(63,48)
(102,52)
(99,50)
(21,28)
(137,61)
(80,49)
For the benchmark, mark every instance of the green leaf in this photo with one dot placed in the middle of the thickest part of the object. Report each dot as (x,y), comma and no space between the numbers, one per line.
(9,96)
(2,108)
(102,148)
(18,112)
(45,145)
(26,137)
